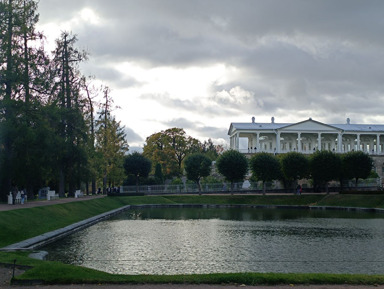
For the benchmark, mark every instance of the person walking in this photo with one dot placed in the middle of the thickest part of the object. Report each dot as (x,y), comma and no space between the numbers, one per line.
(298,190)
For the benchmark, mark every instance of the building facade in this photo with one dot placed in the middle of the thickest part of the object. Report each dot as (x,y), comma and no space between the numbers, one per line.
(307,137)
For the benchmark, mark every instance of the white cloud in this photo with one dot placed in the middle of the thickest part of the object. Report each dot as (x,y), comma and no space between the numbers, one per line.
(87,15)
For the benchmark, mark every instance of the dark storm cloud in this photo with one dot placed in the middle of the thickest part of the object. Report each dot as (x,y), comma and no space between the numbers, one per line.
(292,56)
(182,31)
(177,32)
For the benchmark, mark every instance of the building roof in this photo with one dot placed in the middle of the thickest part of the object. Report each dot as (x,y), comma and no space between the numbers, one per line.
(360,127)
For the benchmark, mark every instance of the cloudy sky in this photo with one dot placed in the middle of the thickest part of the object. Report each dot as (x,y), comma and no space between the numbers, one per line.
(203,64)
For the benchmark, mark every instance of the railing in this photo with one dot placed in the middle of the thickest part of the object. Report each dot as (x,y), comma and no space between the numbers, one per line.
(242,187)
(184,189)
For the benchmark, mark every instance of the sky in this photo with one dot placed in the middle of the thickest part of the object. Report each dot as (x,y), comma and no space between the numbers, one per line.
(202,64)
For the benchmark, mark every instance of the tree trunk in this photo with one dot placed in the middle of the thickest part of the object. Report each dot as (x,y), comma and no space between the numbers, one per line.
(137,183)
(6,175)
(264,187)
(61,184)
(93,185)
(105,184)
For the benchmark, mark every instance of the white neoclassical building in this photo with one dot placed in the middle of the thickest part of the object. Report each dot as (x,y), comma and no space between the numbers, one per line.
(308,136)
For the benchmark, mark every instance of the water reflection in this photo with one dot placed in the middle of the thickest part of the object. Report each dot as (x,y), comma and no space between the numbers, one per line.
(193,240)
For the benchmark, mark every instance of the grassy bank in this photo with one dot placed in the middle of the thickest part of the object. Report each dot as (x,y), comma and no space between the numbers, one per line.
(21,224)
(57,273)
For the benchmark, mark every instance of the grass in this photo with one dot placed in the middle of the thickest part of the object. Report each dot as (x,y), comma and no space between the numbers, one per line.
(47,273)
(21,224)
(57,273)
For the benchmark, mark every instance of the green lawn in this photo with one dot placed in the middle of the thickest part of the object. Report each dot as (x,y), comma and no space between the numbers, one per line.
(57,273)
(21,224)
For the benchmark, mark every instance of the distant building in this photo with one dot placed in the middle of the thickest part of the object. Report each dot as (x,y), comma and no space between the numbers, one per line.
(308,136)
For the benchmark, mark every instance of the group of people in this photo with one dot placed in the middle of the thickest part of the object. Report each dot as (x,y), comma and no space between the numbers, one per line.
(299,189)
(17,196)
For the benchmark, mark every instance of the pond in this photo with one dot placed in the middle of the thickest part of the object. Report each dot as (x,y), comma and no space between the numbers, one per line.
(203,240)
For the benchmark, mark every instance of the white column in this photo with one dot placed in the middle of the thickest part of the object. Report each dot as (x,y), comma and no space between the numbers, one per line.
(258,142)
(358,142)
(237,141)
(378,144)
(299,142)
(371,146)
(339,142)
(278,142)
(319,141)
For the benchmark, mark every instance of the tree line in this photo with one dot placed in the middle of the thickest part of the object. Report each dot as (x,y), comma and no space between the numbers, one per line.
(321,167)
(52,131)
(175,152)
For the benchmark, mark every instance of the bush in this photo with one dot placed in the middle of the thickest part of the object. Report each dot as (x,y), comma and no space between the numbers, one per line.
(210,180)
(176,181)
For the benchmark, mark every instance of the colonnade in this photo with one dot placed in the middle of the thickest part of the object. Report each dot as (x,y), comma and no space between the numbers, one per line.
(308,142)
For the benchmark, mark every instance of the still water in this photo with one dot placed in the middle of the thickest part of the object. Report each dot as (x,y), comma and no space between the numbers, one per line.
(201,240)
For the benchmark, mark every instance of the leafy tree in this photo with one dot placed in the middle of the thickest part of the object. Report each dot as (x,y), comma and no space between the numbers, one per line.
(23,82)
(210,180)
(211,150)
(91,93)
(159,174)
(137,165)
(357,165)
(197,166)
(43,100)
(295,166)
(177,181)
(72,129)
(325,166)
(111,144)
(265,167)
(233,166)
(169,148)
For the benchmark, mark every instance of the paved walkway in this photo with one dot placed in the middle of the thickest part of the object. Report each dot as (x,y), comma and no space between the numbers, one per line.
(39,203)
